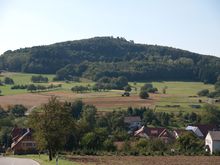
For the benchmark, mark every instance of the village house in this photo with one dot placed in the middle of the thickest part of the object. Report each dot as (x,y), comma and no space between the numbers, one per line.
(151,133)
(212,141)
(22,141)
(201,130)
(133,122)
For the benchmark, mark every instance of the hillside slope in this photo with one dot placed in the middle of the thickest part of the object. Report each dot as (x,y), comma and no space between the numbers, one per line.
(107,56)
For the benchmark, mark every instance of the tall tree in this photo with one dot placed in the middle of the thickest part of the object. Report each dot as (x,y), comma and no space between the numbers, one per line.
(52,126)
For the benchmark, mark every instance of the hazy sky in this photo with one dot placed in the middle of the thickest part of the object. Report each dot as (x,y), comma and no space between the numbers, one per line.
(187,24)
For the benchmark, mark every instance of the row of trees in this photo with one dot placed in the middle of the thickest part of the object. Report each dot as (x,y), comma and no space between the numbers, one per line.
(35,88)
(39,79)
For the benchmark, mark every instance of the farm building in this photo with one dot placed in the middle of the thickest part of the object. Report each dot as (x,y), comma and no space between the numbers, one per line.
(212,141)
(23,141)
(151,133)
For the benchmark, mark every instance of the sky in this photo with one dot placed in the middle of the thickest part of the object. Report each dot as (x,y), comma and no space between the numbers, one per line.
(192,25)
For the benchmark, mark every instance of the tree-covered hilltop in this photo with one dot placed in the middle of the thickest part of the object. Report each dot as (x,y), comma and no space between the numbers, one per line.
(112,57)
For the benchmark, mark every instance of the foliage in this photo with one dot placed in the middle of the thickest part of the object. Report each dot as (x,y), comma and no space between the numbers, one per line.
(203,92)
(143,94)
(8,81)
(112,57)
(39,79)
(52,126)
(18,110)
(111,83)
(127,88)
(34,88)
(79,89)
(189,142)
(211,115)
(19,87)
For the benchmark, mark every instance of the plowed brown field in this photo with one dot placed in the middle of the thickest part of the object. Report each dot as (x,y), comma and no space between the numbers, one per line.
(147,160)
(100,100)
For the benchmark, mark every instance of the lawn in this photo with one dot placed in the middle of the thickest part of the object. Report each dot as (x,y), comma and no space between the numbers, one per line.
(25,79)
(43,160)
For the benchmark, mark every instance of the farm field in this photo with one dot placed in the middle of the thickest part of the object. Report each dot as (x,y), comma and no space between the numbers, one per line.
(148,160)
(179,95)
(130,160)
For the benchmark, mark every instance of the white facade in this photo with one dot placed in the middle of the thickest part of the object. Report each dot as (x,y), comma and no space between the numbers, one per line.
(212,140)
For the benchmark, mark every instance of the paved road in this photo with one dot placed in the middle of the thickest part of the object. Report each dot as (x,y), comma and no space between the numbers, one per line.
(17,161)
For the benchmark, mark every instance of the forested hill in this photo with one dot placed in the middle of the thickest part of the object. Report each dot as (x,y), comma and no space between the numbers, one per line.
(107,56)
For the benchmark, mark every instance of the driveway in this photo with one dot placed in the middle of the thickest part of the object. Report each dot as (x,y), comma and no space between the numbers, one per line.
(17,161)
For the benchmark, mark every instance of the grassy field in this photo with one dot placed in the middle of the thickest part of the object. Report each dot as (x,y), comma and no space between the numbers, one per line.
(179,95)
(43,160)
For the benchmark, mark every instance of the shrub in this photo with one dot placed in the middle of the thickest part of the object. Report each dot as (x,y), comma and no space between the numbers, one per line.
(203,92)
(8,81)
(143,95)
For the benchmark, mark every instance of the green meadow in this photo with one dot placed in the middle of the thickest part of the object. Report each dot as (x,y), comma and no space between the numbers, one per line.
(179,95)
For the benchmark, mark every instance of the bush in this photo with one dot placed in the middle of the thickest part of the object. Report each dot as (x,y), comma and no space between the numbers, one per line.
(18,110)
(8,81)
(143,95)
(108,145)
(203,92)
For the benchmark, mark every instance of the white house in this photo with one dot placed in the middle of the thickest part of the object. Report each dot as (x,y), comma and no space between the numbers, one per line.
(212,141)
(201,130)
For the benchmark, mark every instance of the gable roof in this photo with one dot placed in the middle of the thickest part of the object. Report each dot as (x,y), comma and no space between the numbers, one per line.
(131,119)
(28,132)
(215,135)
(206,128)
(152,132)
(203,129)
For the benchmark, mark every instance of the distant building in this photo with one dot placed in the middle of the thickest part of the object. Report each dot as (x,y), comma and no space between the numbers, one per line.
(23,142)
(201,130)
(212,141)
(151,133)
(132,121)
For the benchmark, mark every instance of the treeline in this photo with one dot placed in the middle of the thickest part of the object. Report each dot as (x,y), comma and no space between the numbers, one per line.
(213,94)
(35,88)
(112,57)
(39,79)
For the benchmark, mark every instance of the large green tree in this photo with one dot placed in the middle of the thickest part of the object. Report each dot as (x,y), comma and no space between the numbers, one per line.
(52,125)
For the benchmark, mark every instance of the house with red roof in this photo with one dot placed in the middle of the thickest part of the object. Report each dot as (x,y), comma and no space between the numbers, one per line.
(23,141)
(152,133)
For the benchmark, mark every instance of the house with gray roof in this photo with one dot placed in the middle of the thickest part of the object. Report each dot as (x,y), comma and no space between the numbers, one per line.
(212,141)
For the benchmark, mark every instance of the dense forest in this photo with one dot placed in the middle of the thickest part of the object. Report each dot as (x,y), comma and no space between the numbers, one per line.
(112,57)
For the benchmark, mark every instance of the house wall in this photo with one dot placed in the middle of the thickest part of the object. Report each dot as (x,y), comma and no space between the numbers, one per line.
(208,142)
(216,145)
(26,144)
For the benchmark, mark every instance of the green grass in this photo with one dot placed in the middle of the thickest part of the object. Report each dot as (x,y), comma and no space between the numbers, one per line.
(178,87)
(177,92)
(25,79)
(43,160)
